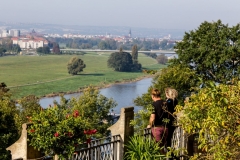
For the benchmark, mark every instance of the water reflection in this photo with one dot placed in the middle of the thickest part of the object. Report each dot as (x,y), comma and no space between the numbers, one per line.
(123,94)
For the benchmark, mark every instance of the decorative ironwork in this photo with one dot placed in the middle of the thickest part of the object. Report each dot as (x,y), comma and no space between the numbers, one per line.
(100,149)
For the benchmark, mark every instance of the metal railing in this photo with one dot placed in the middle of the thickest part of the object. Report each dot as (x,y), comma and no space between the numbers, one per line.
(179,140)
(101,149)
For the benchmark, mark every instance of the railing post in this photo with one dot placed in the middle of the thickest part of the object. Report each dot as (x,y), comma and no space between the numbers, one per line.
(21,148)
(123,128)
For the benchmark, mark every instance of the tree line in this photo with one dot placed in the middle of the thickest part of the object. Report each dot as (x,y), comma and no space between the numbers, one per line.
(111,44)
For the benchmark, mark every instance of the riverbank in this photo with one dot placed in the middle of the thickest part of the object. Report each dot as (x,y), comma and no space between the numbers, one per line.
(123,94)
(98,87)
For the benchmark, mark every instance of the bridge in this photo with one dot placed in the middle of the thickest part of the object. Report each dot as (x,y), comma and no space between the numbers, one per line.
(99,50)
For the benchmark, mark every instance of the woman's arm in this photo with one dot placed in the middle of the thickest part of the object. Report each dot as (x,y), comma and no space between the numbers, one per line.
(151,119)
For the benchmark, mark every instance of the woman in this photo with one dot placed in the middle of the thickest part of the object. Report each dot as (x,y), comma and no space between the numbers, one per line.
(156,121)
(171,95)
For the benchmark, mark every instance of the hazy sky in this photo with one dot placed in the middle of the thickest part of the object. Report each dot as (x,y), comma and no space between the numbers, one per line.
(164,14)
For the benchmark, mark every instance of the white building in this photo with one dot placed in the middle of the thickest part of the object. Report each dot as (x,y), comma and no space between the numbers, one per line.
(27,43)
(7,33)
(14,33)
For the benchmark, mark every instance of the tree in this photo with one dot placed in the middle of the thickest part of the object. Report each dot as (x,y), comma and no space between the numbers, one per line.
(16,48)
(135,54)
(102,45)
(56,48)
(27,106)
(120,61)
(111,44)
(212,114)
(136,66)
(107,44)
(75,65)
(3,90)
(8,127)
(45,50)
(162,59)
(2,51)
(163,44)
(212,51)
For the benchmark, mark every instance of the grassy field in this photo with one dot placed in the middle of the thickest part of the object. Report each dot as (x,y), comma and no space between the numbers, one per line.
(44,75)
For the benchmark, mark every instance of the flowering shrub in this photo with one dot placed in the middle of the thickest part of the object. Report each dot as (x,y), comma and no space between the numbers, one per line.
(58,130)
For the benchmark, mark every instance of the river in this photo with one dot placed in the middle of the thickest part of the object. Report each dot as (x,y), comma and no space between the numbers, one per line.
(124,94)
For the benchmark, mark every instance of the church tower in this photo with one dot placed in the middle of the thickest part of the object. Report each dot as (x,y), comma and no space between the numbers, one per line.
(130,34)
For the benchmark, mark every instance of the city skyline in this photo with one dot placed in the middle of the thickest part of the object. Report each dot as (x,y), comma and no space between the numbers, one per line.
(186,14)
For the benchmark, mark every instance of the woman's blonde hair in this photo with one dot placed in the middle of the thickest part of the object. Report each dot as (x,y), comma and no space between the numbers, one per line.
(171,93)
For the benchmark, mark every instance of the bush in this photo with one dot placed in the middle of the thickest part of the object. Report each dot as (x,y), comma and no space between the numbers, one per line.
(140,148)
(214,114)
(58,131)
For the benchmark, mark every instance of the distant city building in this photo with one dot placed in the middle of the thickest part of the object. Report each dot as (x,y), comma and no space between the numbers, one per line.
(130,34)
(8,33)
(31,40)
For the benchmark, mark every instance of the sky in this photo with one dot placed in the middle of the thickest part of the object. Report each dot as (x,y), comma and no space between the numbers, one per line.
(162,14)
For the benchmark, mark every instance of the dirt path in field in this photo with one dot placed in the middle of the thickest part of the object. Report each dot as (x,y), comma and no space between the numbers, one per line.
(39,82)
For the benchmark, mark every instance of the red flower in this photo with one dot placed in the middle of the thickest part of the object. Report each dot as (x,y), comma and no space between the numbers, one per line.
(90,132)
(32,130)
(88,140)
(94,131)
(56,134)
(76,113)
(70,134)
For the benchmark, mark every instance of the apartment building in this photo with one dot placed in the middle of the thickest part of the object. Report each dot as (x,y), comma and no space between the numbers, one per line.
(8,33)
(30,43)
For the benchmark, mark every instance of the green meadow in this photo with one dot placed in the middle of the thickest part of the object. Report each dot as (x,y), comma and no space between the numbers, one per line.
(46,75)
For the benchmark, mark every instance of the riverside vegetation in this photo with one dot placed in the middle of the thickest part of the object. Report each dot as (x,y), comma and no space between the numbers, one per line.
(48,75)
